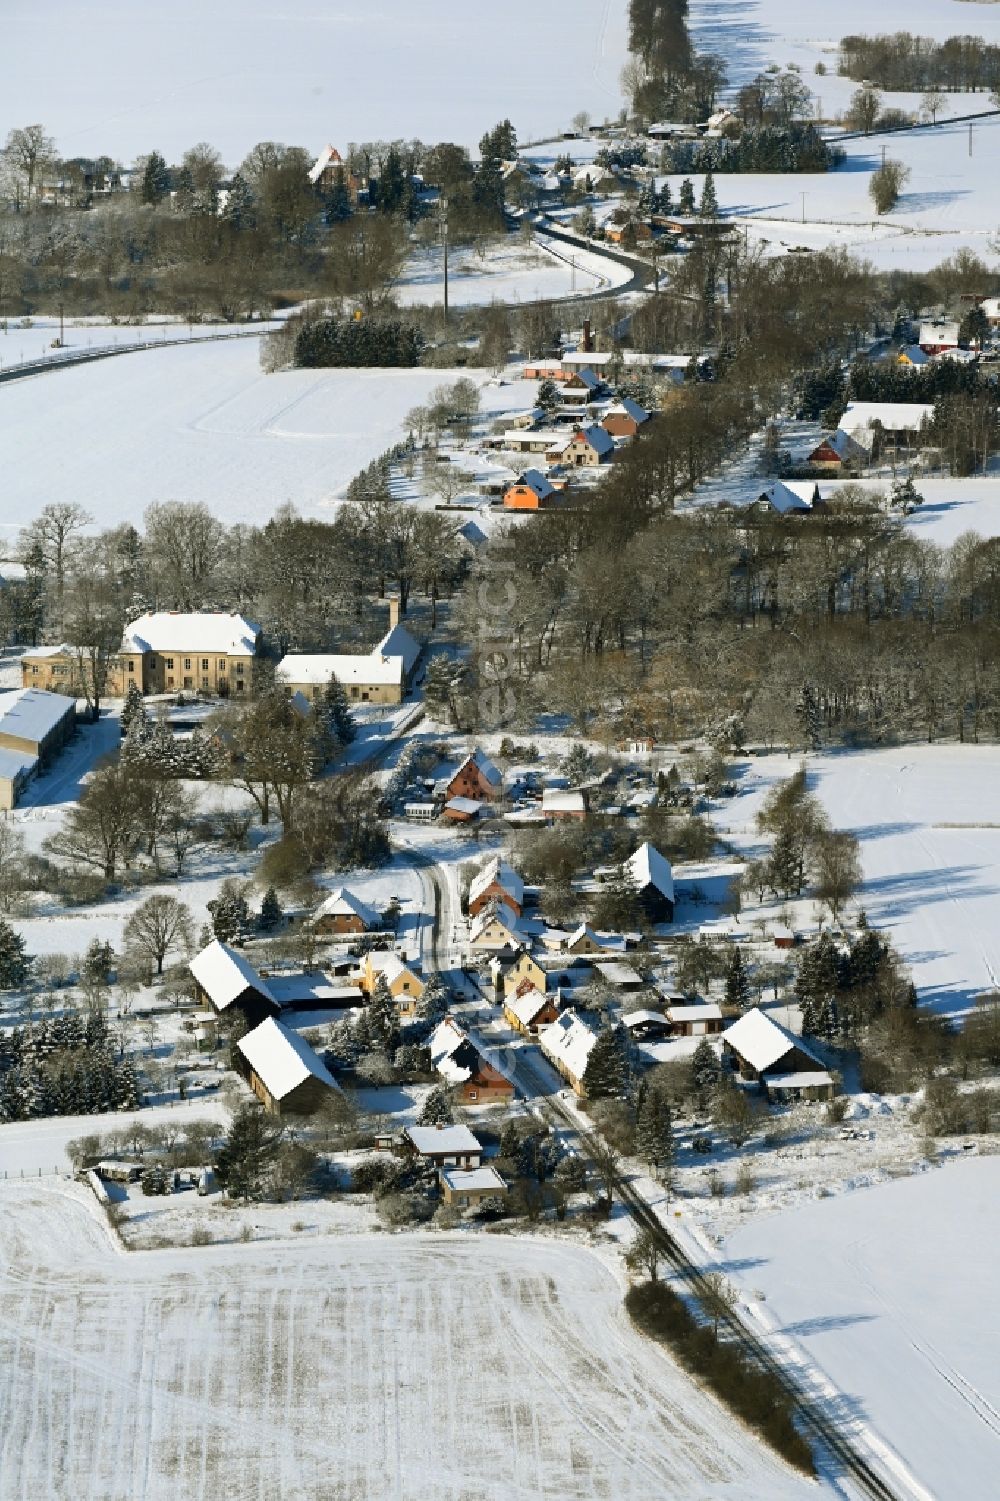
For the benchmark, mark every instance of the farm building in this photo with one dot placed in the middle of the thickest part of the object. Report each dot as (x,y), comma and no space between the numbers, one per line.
(381,676)
(456,1058)
(838,454)
(445,1146)
(567,1043)
(228,982)
(763,1051)
(496,882)
(654,882)
(468,1187)
(788,498)
(283,1071)
(899,423)
(34,727)
(342,912)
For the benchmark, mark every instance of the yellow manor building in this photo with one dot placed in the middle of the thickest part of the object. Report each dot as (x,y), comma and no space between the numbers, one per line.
(163,652)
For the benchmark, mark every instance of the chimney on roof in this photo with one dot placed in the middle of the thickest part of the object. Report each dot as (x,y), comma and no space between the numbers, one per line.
(588,343)
(393,612)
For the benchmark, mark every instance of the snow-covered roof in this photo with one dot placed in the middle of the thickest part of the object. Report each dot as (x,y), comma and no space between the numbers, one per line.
(502,914)
(783,498)
(648,867)
(498,872)
(398,642)
(474,1179)
(36,653)
(203,631)
(467,805)
(617,973)
(556,800)
(761,1041)
(600,441)
(391,965)
(14,764)
(535,480)
(430,1140)
(706,1011)
(938,331)
(485,766)
(568,1040)
(371,668)
(527,1005)
(328,157)
(584,931)
(317,989)
(643,1018)
(283,1060)
(807,1078)
(343,903)
(224,974)
(446,1041)
(895,416)
(32,713)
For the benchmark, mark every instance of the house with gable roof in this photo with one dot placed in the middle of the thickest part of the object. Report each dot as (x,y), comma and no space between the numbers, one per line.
(284,1072)
(477,779)
(343,912)
(532,492)
(227,981)
(762,1051)
(496,882)
(567,1043)
(653,879)
(461,1065)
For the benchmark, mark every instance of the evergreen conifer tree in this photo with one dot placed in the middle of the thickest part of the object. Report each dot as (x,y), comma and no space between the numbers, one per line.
(654,1138)
(271,911)
(240,210)
(608,1073)
(248,1153)
(706,1070)
(709,206)
(336,713)
(685,202)
(133,709)
(14,962)
(381,1019)
(816,986)
(155,179)
(737,983)
(437,1109)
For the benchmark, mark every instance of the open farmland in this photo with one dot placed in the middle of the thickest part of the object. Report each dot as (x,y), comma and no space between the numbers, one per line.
(892,1294)
(928,819)
(203,424)
(416,1367)
(234,73)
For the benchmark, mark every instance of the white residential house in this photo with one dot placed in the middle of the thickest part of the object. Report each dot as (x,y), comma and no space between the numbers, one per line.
(567,1043)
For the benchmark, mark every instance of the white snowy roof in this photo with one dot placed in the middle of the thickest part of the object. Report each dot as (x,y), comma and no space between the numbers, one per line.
(205,631)
(527,1006)
(390,964)
(568,1041)
(463,805)
(556,800)
(430,1140)
(617,973)
(781,497)
(32,713)
(584,931)
(761,1041)
(14,764)
(641,1018)
(648,867)
(445,1041)
(628,408)
(343,903)
(464,1179)
(328,157)
(224,974)
(371,668)
(502,914)
(706,1011)
(503,875)
(938,331)
(805,1079)
(895,416)
(283,1060)
(479,758)
(398,642)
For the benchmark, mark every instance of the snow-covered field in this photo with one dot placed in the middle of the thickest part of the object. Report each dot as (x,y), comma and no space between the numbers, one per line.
(407,1368)
(928,818)
(950,199)
(513,272)
(235,73)
(19,344)
(892,1294)
(205,425)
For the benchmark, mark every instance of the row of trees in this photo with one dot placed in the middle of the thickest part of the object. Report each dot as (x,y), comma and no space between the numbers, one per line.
(903,62)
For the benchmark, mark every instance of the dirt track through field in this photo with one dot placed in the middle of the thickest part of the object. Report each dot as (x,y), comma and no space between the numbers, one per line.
(387,1367)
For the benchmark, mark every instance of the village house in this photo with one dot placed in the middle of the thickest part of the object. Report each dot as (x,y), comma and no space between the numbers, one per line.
(588,448)
(163,652)
(654,883)
(580,387)
(456,1058)
(618,975)
(404,981)
(34,727)
(529,1008)
(991,311)
(342,912)
(283,1071)
(567,1044)
(938,335)
(522,968)
(495,927)
(382,676)
(329,169)
(624,418)
(228,982)
(583,940)
(532,492)
(477,779)
(895,424)
(764,1052)
(839,453)
(466,1188)
(788,498)
(913,355)
(444,1146)
(496,882)
(695,1019)
(559,803)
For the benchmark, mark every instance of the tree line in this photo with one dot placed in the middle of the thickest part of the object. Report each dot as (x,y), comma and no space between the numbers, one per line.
(903,62)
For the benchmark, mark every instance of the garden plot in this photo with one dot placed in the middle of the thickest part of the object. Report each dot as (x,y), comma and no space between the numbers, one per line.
(928,819)
(892,1295)
(205,425)
(435,1367)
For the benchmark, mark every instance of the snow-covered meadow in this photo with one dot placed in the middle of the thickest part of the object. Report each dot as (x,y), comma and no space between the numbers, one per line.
(419,1368)
(205,424)
(892,1295)
(928,819)
(510,272)
(235,73)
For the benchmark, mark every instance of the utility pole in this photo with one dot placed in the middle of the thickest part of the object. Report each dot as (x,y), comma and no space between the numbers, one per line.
(970,137)
(444,237)
(883,156)
(803,208)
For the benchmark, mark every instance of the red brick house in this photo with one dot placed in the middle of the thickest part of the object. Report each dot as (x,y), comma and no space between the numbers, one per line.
(477,779)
